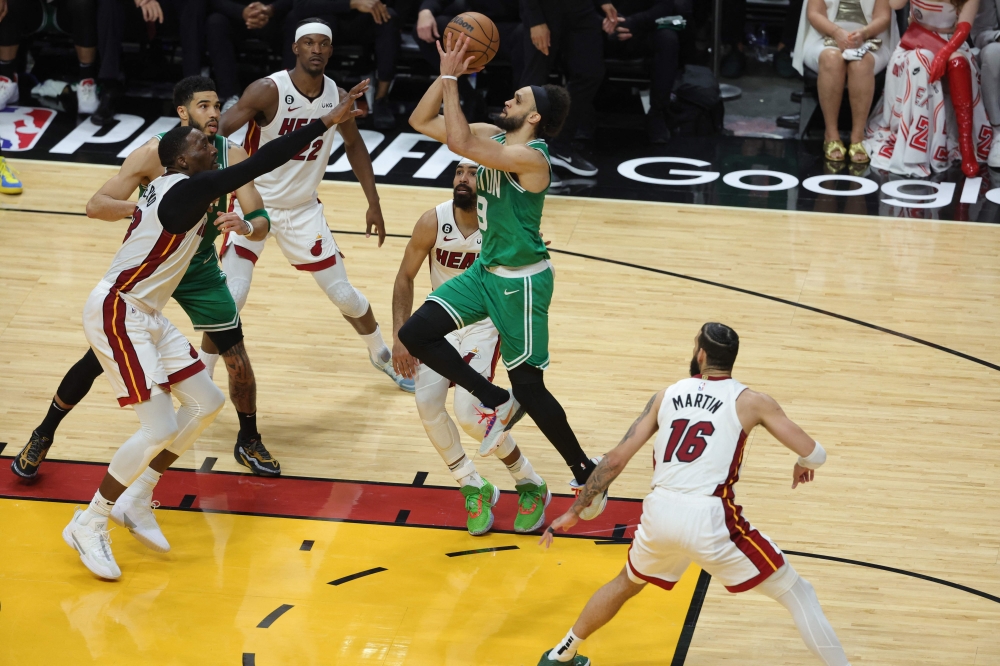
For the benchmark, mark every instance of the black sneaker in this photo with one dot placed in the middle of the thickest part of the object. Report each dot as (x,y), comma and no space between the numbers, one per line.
(27,462)
(105,114)
(251,454)
(384,117)
(571,160)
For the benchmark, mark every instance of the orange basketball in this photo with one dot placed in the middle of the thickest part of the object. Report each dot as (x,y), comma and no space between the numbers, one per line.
(484,38)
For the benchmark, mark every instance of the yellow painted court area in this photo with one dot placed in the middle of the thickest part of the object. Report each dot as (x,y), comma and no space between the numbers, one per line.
(201,603)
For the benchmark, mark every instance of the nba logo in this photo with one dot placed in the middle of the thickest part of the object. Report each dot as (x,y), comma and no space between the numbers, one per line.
(21,126)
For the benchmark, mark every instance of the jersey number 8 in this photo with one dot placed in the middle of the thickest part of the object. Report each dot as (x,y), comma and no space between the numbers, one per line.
(693,444)
(481,212)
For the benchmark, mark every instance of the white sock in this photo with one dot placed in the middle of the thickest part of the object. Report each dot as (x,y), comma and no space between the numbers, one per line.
(143,486)
(209,360)
(376,345)
(566,649)
(523,472)
(472,479)
(99,508)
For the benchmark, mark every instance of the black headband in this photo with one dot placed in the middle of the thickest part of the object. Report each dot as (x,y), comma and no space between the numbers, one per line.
(541,101)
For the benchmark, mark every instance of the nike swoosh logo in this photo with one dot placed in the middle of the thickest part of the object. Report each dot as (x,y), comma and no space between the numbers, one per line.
(508,293)
(290,109)
(448,239)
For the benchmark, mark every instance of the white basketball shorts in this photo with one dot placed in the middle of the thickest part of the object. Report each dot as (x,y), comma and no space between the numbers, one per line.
(301,232)
(140,351)
(677,529)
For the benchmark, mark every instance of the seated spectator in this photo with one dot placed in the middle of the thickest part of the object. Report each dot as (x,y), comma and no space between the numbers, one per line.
(230,24)
(362,22)
(568,33)
(634,34)
(986,35)
(908,135)
(26,17)
(850,39)
(111,15)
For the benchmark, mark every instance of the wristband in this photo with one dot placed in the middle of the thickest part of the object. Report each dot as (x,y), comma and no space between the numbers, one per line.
(448,76)
(815,459)
(260,212)
(249,227)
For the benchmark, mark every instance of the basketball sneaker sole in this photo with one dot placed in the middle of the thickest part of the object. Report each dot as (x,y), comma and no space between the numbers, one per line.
(541,519)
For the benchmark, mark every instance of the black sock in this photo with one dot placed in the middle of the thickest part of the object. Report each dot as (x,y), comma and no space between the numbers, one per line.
(8,68)
(48,426)
(248,425)
(88,71)
(423,334)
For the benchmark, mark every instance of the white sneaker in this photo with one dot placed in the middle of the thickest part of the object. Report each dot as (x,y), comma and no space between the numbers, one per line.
(93,543)
(994,160)
(498,422)
(9,92)
(230,103)
(136,515)
(404,383)
(86,96)
(596,507)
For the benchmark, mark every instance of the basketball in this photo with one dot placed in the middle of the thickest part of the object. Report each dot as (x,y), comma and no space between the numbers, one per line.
(484,38)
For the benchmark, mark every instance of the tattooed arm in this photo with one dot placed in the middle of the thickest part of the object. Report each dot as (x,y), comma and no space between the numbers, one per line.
(610,466)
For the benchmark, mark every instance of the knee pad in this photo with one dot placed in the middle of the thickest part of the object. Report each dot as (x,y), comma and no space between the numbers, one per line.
(240,289)
(352,303)
(431,398)
(780,582)
(467,412)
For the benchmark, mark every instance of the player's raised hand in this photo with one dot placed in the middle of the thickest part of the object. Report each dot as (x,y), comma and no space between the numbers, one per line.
(373,218)
(801,475)
(563,522)
(345,109)
(454,62)
(403,362)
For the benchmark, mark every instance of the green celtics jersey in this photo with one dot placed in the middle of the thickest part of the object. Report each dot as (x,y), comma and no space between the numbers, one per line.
(206,249)
(510,216)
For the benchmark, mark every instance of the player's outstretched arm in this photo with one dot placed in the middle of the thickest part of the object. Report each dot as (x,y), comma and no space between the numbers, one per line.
(111,202)
(251,203)
(427,120)
(361,164)
(611,466)
(259,100)
(755,408)
(417,250)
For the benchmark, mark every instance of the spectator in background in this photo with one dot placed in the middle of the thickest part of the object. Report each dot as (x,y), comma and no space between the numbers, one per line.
(850,39)
(731,34)
(361,22)
(230,24)
(568,33)
(111,15)
(434,15)
(986,35)
(635,33)
(23,18)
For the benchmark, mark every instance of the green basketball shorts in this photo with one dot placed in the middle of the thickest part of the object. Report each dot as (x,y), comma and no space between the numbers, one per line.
(204,296)
(518,306)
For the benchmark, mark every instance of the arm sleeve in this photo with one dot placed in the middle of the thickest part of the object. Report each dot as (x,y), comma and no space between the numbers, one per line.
(185,203)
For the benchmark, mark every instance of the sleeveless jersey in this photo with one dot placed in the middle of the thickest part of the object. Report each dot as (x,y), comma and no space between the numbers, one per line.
(510,216)
(700,444)
(151,261)
(294,183)
(206,251)
(452,252)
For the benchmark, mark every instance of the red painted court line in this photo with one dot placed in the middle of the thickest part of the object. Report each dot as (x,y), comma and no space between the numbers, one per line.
(295,497)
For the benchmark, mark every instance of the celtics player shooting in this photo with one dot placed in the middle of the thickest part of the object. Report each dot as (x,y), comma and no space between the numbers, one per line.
(202,293)
(512,280)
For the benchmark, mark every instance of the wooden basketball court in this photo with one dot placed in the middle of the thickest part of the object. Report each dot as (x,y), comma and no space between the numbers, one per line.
(877,335)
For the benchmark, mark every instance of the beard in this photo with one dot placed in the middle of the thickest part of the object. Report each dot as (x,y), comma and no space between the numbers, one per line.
(695,370)
(509,124)
(464,199)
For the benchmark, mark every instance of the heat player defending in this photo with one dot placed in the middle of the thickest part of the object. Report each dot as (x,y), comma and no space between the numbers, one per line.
(274,106)
(448,238)
(691,515)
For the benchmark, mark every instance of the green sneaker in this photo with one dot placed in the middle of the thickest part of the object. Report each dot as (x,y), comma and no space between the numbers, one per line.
(578,660)
(479,502)
(531,503)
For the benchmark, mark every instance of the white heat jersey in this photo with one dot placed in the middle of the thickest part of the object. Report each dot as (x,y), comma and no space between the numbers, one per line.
(294,183)
(700,444)
(151,261)
(452,252)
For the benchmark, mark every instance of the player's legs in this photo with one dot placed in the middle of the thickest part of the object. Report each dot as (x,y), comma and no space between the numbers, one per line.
(74,386)
(239,256)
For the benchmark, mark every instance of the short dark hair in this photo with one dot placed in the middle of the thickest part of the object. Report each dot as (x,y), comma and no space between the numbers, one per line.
(551,123)
(172,145)
(186,88)
(311,20)
(721,345)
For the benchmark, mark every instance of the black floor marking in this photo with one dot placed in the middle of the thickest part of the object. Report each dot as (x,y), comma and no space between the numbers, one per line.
(691,621)
(902,572)
(274,615)
(3,445)
(618,532)
(402,516)
(360,574)
(44,212)
(187,501)
(249,659)
(207,465)
(419,479)
(481,550)
(613,542)
(307,545)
